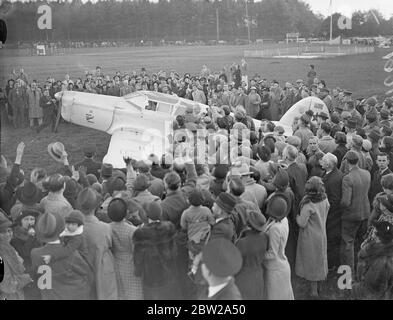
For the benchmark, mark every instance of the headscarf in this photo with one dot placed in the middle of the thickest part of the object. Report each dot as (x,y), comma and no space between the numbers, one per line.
(315,191)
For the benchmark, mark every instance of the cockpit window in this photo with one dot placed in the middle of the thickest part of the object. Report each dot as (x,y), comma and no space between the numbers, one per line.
(163,107)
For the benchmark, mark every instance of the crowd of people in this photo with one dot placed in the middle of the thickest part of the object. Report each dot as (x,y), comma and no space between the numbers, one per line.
(268,209)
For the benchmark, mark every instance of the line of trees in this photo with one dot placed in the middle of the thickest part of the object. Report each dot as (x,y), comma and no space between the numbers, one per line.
(170,20)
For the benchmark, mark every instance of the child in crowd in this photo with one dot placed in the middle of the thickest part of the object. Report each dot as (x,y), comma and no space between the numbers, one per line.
(71,237)
(197,221)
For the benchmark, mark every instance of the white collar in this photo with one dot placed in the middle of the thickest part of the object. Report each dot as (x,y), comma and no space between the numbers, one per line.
(77,232)
(215,289)
(54,242)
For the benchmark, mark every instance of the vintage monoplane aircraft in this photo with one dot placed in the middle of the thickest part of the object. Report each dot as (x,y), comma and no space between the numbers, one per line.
(141,123)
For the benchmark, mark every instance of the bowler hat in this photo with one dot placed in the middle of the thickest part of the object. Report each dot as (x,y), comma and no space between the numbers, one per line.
(222,258)
(277,206)
(226,201)
(256,220)
(75,216)
(56,150)
(49,226)
(29,194)
(115,183)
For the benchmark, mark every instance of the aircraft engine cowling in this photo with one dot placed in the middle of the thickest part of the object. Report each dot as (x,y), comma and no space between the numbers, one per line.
(88,110)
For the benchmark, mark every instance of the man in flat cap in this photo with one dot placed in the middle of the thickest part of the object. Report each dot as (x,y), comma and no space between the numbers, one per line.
(221,260)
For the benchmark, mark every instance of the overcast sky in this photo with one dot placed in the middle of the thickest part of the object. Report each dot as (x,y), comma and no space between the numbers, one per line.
(348,6)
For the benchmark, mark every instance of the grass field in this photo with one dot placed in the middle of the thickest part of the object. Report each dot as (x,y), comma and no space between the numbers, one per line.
(362,74)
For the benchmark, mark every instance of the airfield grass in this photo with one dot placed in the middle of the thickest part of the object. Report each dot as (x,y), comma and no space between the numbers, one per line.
(362,74)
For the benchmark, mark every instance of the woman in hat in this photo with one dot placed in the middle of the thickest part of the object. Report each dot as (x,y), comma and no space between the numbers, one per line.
(77,284)
(276,267)
(15,278)
(375,265)
(155,256)
(311,255)
(252,247)
(129,286)
(55,201)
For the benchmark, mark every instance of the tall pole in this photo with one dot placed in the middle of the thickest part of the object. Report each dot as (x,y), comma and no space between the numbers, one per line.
(248,23)
(331,23)
(218,25)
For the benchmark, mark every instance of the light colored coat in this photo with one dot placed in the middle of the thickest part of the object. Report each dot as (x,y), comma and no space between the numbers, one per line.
(98,237)
(277,270)
(311,255)
(33,102)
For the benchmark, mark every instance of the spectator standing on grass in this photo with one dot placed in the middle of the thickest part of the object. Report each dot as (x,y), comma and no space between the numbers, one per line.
(18,100)
(92,167)
(311,75)
(356,209)
(48,107)
(33,103)
(311,256)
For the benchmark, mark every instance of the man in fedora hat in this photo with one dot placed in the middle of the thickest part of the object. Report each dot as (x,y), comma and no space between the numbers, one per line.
(221,260)
(29,197)
(76,285)
(92,166)
(98,237)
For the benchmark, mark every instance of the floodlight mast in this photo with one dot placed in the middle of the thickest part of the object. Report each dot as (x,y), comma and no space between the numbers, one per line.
(331,22)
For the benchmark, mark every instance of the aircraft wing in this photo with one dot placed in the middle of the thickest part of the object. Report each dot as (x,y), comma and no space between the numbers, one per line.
(134,144)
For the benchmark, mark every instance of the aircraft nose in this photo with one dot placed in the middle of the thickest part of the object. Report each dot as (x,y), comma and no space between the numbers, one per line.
(58,95)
